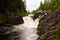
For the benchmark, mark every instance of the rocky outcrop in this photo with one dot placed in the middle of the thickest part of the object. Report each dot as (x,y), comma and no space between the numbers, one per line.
(49,25)
(8,30)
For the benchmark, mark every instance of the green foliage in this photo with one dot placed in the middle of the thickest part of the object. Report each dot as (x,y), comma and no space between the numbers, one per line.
(50,5)
(11,6)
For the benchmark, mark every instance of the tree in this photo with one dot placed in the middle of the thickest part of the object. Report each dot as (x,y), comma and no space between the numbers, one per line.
(11,6)
(41,6)
(50,5)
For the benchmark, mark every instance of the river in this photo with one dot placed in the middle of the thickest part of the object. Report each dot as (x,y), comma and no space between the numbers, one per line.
(29,28)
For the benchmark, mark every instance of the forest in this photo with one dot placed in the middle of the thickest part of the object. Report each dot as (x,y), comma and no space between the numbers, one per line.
(49,26)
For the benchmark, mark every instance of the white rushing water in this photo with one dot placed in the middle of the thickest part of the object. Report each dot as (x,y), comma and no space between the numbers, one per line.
(30,33)
(29,28)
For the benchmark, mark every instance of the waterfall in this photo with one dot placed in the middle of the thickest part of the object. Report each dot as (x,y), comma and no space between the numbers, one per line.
(29,28)
(30,33)
(21,27)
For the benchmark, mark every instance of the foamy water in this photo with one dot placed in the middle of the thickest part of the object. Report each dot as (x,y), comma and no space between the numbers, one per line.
(29,28)
(30,33)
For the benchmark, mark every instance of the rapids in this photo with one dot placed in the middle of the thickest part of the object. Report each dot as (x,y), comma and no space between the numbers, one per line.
(29,28)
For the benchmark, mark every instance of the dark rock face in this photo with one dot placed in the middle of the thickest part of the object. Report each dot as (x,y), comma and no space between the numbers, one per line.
(50,23)
(18,20)
(38,14)
(12,21)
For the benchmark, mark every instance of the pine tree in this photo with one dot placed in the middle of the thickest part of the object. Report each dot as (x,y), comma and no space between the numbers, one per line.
(50,5)
(11,6)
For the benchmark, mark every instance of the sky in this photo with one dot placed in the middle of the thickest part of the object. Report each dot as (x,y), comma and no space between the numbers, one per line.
(32,4)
